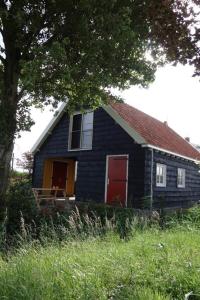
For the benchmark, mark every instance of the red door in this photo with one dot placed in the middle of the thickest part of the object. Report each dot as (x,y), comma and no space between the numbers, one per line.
(117,180)
(59,175)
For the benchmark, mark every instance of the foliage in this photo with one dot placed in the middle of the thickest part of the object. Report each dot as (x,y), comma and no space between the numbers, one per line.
(20,205)
(18,176)
(184,218)
(81,224)
(26,163)
(87,216)
(75,50)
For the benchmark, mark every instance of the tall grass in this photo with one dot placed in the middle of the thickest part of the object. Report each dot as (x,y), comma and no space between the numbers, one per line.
(82,257)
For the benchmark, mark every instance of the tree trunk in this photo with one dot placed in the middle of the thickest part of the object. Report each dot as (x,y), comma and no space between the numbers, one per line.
(7,134)
(5,159)
(9,99)
(8,112)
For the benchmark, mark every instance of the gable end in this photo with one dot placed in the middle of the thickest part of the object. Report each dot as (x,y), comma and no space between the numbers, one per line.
(118,119)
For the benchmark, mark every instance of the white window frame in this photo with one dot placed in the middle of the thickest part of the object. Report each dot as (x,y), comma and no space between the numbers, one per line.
(181,170)
(164,183)
(70,130)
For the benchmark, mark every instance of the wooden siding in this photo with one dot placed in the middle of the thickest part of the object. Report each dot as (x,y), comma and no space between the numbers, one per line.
(171,195)
(108,138)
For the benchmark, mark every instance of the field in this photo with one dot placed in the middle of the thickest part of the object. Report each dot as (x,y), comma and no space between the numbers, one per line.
(153,263)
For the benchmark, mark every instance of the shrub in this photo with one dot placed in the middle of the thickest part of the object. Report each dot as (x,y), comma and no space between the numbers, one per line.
(20,204)
(17,176)
(121,220)
(184,218)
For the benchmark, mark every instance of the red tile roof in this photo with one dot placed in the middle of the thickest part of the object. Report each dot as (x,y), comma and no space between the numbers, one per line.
(154,132)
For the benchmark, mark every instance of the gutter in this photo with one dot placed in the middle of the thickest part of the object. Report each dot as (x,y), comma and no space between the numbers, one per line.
(169,152)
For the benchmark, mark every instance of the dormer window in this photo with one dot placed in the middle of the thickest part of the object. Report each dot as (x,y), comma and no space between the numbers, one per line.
(81,131)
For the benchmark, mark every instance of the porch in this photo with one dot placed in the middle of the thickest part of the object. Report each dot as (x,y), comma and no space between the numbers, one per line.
(58,184)
(48,199)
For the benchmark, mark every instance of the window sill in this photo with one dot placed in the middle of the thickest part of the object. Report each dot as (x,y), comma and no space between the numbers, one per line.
(72,150)
(161,185)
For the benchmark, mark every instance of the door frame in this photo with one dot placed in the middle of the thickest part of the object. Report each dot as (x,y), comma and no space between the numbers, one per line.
(106,175)
(48,172)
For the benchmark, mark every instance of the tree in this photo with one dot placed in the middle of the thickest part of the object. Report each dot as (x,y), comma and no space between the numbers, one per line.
(26,163)
(54,50)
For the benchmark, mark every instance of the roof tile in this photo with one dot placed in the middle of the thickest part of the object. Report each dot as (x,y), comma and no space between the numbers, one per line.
(155,133)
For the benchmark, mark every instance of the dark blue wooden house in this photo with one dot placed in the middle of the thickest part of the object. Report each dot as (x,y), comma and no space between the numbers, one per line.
(117,155)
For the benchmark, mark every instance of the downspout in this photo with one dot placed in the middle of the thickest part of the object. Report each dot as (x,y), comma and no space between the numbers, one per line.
(151,180)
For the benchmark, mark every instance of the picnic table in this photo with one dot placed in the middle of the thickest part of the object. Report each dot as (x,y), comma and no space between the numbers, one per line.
(46,196)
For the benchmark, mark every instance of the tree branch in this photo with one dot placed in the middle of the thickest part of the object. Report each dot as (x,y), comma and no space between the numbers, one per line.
(31,35)
(2,59)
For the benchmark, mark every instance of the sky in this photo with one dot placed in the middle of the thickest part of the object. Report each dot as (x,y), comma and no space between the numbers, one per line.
(174,97)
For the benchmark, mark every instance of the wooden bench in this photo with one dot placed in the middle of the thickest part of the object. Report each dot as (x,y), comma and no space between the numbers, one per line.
(45,196)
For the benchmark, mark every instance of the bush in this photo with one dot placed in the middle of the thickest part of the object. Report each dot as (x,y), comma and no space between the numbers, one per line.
(183,218)
(122,220)
(20,205)
(17,176)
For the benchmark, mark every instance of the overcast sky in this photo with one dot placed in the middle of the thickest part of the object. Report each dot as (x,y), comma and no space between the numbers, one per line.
(173,97)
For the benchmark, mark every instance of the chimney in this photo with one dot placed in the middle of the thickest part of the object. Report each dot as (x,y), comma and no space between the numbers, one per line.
(187,139)
(165,123)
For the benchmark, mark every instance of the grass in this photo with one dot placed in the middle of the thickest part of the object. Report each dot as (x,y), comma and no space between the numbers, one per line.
(153,264)
(88,259)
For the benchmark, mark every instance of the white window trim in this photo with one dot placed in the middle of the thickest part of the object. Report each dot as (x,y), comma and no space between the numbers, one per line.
(181,185)
(70,130)
(164,184)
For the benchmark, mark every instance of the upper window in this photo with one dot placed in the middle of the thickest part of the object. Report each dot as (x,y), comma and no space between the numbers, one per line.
(181,178)
(161,171)
(81,131)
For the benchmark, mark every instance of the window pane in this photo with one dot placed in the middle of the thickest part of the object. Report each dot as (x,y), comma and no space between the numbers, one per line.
(87,121)
(162,171)
(86,139)
(161,175)
(82,131)
(77,122)
(75,140)
(158,170)
(181,178)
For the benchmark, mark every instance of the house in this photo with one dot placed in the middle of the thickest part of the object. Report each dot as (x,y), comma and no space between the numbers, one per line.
(117,155)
